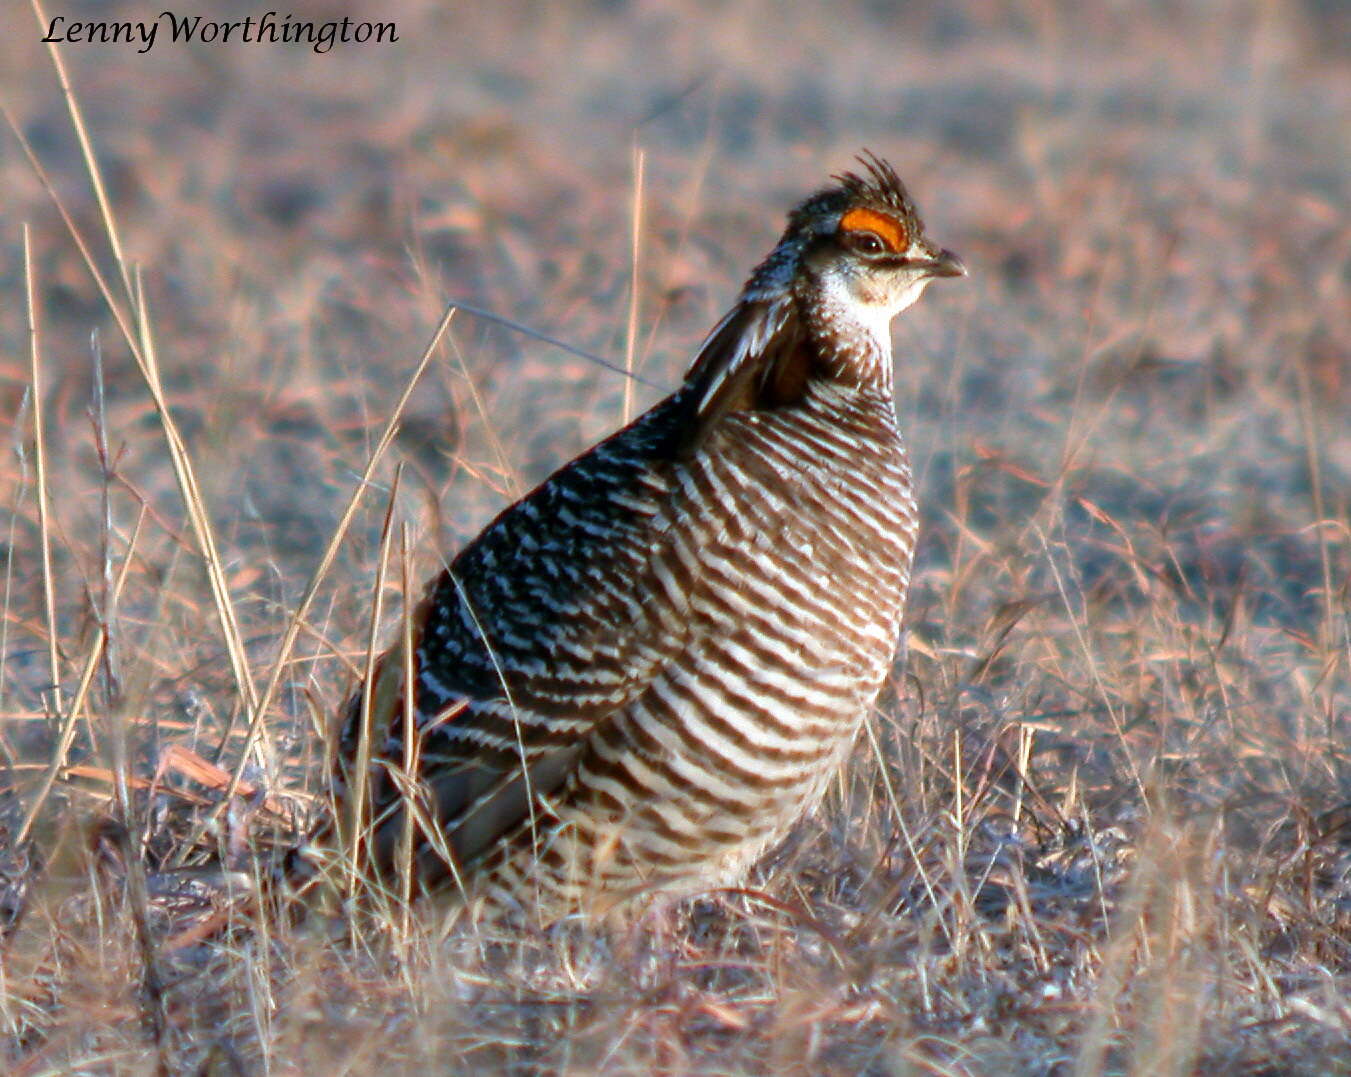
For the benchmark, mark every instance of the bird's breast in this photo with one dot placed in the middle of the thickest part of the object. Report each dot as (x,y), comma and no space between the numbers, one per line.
(798,532)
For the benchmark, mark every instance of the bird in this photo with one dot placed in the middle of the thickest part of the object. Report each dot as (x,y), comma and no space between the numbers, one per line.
(643,673)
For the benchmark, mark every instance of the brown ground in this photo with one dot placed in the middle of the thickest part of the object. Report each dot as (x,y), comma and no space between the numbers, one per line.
(1102,825)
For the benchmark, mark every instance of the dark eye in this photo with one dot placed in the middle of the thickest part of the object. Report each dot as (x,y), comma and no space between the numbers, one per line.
(865,242)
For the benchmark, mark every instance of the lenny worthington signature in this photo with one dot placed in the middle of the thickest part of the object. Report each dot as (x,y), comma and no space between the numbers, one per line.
(187,29)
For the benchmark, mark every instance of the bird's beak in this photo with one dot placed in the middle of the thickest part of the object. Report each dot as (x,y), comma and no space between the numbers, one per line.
(946,264)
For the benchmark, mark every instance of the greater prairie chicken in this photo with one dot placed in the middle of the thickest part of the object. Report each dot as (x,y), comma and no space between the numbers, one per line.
(641,674)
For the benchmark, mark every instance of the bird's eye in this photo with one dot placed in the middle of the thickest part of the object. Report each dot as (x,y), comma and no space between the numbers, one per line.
(865,242)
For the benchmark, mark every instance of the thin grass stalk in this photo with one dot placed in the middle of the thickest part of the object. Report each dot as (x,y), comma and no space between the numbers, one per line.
(904,827)
(86,150)
(78,701)
(504,467)
(1091,661)
(137,891)
(1313,459)
(688,207)
(198,515)
(556,342)
(359,779)
(301,614)
(135,337)
(21,454)
(99,420)
(635,250)
(511,703)
(44,501)
(412,735)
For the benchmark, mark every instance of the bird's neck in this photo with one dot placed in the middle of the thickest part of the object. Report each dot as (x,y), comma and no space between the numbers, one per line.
(852,344)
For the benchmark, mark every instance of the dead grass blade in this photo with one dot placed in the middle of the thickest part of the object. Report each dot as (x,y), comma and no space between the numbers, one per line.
(140,342)
(40,458)
(331,551)
(358,829)
(86,150)
(635,283)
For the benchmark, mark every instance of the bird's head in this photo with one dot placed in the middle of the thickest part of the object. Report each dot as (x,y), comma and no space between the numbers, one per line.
(860,246)
(817,311)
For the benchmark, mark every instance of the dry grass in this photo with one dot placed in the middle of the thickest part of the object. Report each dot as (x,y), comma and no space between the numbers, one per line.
(1103,822)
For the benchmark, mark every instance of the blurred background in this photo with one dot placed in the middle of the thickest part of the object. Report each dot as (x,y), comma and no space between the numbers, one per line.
(1130,423)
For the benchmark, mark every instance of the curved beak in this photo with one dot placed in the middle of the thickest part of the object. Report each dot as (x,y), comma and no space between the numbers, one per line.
(946,264)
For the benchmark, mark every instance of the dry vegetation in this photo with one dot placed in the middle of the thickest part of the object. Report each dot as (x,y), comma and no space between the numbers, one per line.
(1102,822)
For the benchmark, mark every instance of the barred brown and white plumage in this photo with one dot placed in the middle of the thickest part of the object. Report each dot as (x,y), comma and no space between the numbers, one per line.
(642,673)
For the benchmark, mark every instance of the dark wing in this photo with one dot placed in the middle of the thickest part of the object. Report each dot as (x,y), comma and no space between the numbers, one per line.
(559,614)
(535,632)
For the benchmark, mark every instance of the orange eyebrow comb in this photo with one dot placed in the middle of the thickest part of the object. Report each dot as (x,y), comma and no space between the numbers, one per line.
(891,231)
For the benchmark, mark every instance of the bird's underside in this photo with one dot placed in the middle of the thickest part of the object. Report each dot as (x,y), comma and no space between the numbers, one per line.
(642,673)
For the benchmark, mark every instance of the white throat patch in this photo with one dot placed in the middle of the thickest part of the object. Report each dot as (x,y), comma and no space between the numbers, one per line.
(874,318)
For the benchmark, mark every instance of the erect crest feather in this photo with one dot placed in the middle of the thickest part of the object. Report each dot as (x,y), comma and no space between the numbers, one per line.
(881,185)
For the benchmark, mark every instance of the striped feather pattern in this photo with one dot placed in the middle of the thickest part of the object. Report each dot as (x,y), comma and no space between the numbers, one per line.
(641,674)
